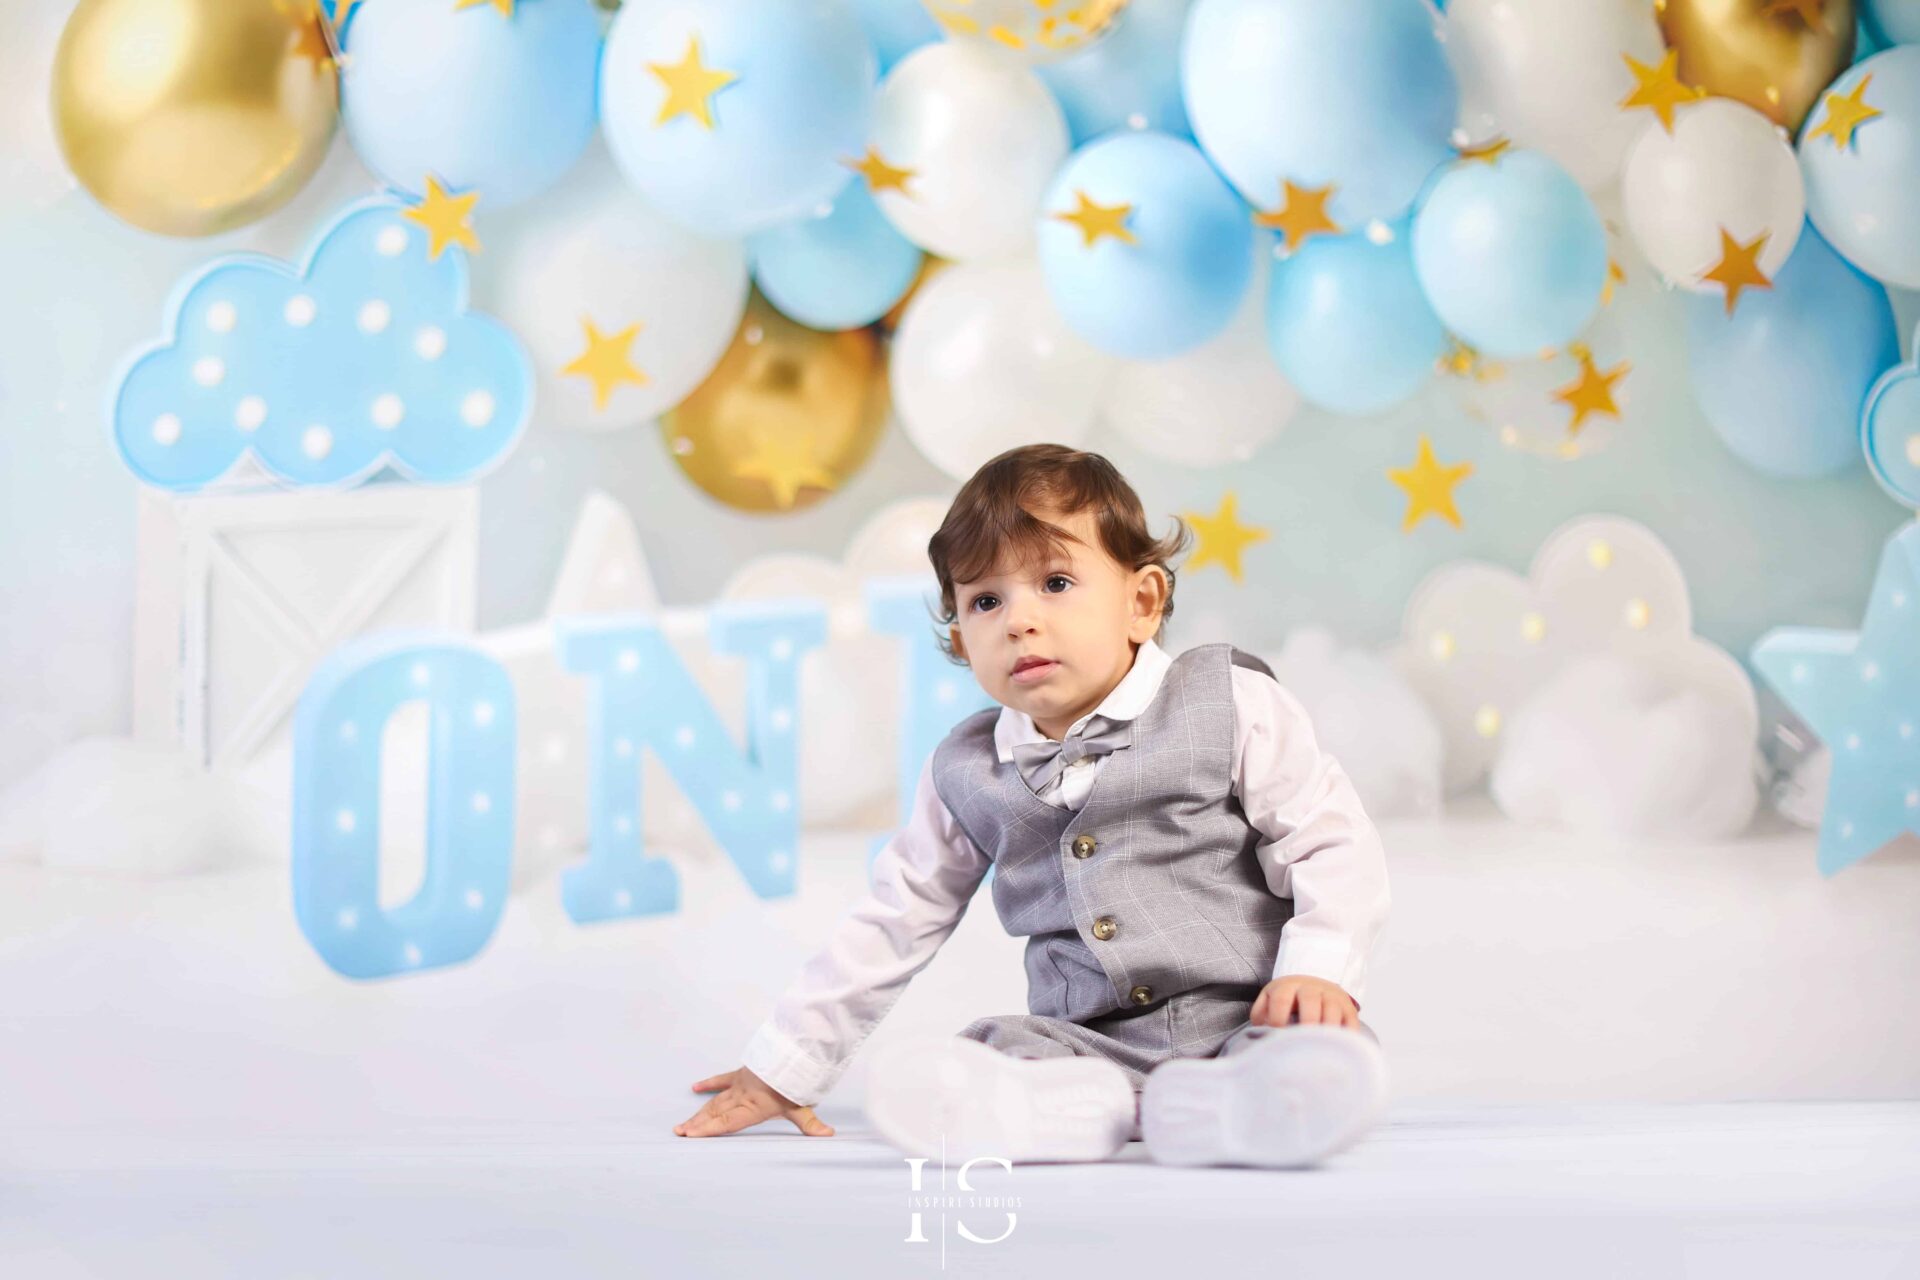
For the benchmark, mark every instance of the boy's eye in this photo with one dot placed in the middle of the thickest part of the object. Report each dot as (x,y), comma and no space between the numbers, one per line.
(975,602)
(1059,577)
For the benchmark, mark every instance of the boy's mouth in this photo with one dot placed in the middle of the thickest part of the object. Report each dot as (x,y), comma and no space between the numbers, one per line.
(1030,670)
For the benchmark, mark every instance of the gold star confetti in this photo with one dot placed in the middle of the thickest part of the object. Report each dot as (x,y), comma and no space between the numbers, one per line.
(1463,361)
(1096,220)
(1739,267)
(1845,113)
(445,218)
(1616,274)
(786,461)
(958,24)
(1302,213)
(1659,87)
(1429,485)
(503,7)
(1222,537)
(880,175)
(1592,391)
(1487,152)
(691,85)
(605,362)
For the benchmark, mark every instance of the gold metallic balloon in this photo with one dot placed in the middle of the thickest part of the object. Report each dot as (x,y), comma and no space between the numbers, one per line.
(786,417)
(1774,55)
(193,117)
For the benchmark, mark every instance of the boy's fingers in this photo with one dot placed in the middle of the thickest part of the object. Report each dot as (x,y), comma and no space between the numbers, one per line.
(810,1124)
(711,1083)
(1309,1002)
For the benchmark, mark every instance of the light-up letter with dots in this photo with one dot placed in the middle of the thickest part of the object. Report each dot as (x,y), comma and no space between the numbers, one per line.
(643,697)
(936,693)
(337,732)
(365,354)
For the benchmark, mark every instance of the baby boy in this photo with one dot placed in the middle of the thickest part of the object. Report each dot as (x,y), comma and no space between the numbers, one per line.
(1197,882)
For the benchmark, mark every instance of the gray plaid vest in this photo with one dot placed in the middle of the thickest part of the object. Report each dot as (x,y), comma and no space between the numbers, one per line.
(1152,888)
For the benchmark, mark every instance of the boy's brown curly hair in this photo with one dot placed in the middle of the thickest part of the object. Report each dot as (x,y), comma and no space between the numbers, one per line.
(990,515)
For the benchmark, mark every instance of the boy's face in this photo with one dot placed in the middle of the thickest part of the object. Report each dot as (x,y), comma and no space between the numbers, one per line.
(1081,611)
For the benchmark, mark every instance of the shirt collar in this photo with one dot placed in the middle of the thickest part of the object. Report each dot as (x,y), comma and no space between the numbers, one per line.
(1127,700)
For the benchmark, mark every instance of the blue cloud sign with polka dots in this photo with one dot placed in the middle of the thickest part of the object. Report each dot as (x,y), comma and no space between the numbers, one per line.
(1860,691)
(365,355)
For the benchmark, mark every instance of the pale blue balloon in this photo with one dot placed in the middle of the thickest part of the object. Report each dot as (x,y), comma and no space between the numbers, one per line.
(1511,254)
(1891,22)
(782,129)
(1348,324)
(1865,198)
(1180,280)
(1357,94)
(840,269)
(1783,378)
(483,102)
(1129,78)
(896,27)
(1889,426)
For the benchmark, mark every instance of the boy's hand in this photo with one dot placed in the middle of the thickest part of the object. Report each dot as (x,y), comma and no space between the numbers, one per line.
(745,1099)
(1303,999)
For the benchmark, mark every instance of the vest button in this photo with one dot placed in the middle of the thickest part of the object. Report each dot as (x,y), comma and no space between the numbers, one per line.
(1083,846)
(1141,995)
(1105,928)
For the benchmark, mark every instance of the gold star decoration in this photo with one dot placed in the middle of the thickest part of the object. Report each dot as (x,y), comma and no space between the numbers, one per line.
(1592,391)
(445,218)
(1222,537)
(1659,88)
(691,85)
(1845,113)
(1616,274)
(880,175)
(312,38)
(1463,361)
(1811,12)
(1429,485)
(1096,220)
(1739,267)
(786,461)
(1487,152)
(1302,213)
(503,7)
(605,362)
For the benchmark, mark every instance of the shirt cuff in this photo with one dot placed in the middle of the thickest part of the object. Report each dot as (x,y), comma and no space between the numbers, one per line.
(791,1070)
(1325,958)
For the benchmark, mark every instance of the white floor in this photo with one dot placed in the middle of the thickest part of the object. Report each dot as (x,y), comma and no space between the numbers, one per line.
(1748,1191)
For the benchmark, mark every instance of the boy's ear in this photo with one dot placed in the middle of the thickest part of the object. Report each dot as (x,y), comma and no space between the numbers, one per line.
(959,646)
(1150,591)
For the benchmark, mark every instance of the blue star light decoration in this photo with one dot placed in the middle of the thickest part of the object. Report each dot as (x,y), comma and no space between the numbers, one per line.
(366,355)
(1860,691)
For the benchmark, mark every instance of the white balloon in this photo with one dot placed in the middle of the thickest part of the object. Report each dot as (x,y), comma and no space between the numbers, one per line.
(596,251)
(982,362)
(1549,74)
(894,538)
(1211,406)
(982,138)
(1724,166)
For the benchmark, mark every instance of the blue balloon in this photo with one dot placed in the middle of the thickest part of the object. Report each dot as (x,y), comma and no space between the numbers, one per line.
(1357,94)
(837,270)
(1130,78)
(1348,324)
(1511,253)
(1865,198)
(1783,378)
(499,105)
(1171,274)
(896,27)
(1891,22)
(773,96)
(1890,429)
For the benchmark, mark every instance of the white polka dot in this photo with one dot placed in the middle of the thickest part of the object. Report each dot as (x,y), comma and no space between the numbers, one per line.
(1799,673)
(623,747)
(387,411)
(477,409)
(1379,232)
(781,801)
(374,315)
(346,821)
(1136,121)
(783,649)
(391,242)
(623,824)
(348,918)
(1869,670)
(623,899)
(731,799)
(1913,799)
(430,343)
(349,731)
(412,954)
(421,673)
(1846,831)
(482,802)
(166,429)
(684,735)
(945,691)
(483,714)
(476,899)
(300,311)
(778,859)
(782,719)
(629,660)
(220,317)
(1853,742)
(209,371)
(250,413)
(1906,729)
(317,443)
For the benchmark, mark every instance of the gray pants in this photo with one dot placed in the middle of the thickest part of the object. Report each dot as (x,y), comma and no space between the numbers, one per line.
(1206,1022)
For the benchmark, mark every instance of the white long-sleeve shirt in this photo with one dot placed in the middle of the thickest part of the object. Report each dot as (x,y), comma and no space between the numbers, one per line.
(1317,847)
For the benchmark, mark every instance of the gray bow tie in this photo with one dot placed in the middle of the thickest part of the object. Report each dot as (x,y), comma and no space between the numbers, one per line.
(1042,763)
